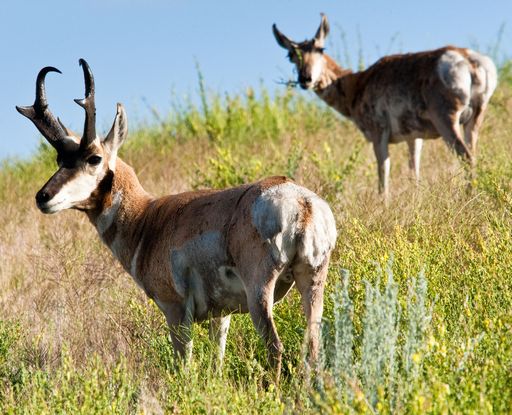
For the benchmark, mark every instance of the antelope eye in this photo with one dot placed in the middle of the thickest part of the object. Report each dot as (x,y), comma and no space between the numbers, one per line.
(94,160)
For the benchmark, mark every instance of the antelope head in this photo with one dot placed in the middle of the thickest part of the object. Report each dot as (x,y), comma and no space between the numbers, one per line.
(85,163)
(308,56)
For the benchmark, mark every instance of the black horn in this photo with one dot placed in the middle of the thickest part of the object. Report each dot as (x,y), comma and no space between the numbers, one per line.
(88,105)
(40,114)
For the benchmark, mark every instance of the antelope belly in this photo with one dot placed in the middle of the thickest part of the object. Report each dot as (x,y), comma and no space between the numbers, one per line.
(200,268)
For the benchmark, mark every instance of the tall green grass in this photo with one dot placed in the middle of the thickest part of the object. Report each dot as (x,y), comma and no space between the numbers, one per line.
(428,333)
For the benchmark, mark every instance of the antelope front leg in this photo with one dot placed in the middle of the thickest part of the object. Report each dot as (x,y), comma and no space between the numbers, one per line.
(179,319)
(219,327)
(380,147)
(415,147)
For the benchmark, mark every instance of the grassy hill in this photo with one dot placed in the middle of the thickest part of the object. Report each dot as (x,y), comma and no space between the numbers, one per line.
(78,336)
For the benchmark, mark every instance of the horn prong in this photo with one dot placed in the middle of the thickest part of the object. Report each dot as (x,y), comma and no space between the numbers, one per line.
(80,101)
(88,105)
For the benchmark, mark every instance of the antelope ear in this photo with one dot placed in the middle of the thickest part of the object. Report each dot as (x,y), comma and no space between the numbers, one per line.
(117,134)
(281,39)
(322,32)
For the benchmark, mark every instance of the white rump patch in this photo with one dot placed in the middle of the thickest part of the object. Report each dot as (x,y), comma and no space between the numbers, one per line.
(454,72)
(486,75)
(277,215)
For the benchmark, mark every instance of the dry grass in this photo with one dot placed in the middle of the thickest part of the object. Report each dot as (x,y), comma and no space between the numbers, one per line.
(70,296)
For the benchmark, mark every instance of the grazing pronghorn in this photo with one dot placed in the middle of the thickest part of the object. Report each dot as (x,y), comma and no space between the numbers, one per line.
(401,97)
(198,255)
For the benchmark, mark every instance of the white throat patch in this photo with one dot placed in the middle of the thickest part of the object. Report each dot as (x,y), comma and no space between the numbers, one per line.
(106,218)
(317,70)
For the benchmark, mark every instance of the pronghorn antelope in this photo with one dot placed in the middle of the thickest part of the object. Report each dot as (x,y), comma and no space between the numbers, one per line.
(198,255)
(399,98)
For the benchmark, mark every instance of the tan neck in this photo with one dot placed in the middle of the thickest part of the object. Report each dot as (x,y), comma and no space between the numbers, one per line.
(336,86)
(119,212)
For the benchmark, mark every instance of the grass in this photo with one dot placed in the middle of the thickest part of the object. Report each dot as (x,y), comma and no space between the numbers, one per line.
(428,332)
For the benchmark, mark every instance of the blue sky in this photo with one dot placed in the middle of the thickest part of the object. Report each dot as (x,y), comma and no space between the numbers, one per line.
(143,52)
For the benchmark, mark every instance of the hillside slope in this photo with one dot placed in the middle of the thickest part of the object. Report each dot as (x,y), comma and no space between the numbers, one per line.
(78,336)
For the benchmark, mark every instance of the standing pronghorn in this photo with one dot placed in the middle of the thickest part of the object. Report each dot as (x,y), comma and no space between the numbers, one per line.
(401,97)
(199,254)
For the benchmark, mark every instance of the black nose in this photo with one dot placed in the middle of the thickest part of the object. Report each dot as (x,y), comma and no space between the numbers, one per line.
(305,79)
(42,197)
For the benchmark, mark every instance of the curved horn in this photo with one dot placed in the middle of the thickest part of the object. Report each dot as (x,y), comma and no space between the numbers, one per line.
(40,114)
(88,105)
